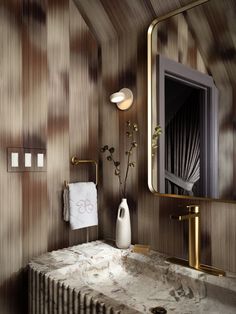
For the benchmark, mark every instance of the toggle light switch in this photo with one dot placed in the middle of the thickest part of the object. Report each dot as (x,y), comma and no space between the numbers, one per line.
(40,160)
(28,161)
(14,160)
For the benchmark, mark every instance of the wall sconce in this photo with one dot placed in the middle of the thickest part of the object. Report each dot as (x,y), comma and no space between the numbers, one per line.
(123,98)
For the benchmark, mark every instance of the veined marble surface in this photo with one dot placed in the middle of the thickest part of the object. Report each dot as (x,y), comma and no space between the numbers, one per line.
(137,282)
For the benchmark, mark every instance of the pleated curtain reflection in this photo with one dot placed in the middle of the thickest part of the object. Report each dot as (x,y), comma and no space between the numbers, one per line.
(182,149)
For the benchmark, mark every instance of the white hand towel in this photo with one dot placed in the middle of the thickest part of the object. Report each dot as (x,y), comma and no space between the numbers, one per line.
(83,205)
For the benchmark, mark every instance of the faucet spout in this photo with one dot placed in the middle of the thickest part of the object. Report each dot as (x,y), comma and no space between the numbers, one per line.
(193,217)
(184,217)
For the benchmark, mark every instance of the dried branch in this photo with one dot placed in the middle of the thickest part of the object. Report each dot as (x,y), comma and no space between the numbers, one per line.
(131,129)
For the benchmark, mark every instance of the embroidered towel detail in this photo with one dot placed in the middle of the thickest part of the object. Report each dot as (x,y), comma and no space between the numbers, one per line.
(82,205)
(66,209)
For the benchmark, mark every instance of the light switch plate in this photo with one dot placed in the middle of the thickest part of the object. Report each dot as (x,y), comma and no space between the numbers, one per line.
(26,159)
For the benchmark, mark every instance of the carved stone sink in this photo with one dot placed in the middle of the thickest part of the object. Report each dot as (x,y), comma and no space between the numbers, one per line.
(98,278)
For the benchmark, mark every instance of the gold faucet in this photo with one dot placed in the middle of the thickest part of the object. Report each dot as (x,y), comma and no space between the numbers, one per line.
(193,217)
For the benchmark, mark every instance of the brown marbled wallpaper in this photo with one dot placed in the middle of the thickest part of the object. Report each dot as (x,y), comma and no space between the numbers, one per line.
(54,89)
(48,88)
(124,65)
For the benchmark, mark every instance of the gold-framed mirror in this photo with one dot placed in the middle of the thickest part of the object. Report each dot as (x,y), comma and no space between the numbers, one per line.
(192,99)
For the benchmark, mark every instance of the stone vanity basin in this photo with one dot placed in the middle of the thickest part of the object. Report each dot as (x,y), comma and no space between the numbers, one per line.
(98,278)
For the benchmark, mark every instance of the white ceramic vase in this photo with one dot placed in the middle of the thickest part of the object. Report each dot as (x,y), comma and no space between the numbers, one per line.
(123,226)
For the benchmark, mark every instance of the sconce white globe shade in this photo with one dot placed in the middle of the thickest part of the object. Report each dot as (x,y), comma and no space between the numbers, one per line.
(117,97)
(123,98)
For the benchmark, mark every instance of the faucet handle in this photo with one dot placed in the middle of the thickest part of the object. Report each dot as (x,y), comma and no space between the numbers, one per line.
(193,212)
(193,208)
(184,217)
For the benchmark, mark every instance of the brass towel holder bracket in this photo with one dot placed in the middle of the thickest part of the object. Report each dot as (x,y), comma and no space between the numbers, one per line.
(75,161)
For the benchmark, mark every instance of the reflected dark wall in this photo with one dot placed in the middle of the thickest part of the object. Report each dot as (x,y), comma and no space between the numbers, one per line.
(214,38)
(182,137)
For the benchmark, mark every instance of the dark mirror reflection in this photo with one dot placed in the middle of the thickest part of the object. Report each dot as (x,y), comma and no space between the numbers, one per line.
(182,138)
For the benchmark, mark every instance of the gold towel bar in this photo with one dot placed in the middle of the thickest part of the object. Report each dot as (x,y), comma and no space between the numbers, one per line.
(76,161)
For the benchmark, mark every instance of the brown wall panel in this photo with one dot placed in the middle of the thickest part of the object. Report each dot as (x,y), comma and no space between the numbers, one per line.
(58,118)
(109,130)
(34,100)
(54,94)
(150,215)
(10,136)
(83,107)
(39,108)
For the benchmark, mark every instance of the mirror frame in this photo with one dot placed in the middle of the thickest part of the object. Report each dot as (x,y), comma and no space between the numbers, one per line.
(152,97)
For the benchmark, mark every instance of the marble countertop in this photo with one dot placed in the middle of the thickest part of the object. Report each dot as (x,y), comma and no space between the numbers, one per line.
(139,282)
